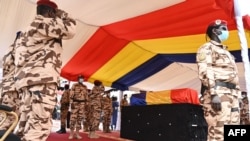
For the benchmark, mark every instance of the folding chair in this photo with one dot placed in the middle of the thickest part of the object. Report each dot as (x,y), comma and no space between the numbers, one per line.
(7,135)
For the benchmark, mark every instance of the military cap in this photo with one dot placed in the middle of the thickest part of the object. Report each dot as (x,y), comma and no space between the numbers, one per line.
(217,23)
(47,3)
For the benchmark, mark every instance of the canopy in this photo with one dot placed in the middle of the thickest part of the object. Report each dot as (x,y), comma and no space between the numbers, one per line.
(130,45)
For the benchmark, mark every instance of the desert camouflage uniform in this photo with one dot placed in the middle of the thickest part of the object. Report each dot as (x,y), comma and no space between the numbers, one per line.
(38,66)
(86,115)
(78,95)
(216,63)
(64,107)
(107,112)
(10,96)
(244,112)
(95,107)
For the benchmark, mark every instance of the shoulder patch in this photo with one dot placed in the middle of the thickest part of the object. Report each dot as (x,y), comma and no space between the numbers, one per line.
(202,56)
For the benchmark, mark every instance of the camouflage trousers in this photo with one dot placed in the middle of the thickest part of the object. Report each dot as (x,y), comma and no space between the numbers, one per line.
(37,105)
(107,114)
(77,114)
(12,100)
(64,113)
(95,116)
(244,112)
(216,120)
(86,117)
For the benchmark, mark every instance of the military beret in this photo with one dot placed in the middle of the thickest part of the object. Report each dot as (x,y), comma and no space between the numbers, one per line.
(217,23)
(97,83)
(47,3)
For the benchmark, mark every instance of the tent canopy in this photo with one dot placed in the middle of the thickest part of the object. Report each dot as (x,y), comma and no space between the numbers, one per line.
(130,45)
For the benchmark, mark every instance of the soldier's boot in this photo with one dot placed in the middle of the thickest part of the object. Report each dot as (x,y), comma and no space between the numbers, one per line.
(85,127)
(71,134)
(93,135)
(104,128)
(77,135)
(108,129)
(61,131)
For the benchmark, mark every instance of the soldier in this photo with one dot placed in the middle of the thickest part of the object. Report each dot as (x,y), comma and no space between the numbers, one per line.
(219,75)
(79,96)
(38,67)
(124,101)
(9,95)
(107,111)
(244,110)
(64,108)
(95,107)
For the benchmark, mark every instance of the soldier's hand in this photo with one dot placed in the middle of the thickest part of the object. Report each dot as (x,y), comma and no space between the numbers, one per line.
(61,14)
(216,102)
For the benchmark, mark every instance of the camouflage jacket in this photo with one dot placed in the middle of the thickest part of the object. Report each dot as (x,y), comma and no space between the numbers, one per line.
(215,62)
(8,83)
(106,103)
(96,92)
(79,92)
(39,49)
(65,97)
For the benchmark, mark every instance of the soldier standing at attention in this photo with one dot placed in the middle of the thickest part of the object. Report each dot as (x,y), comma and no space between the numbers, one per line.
(37,68)
(79,97)
(64,108)
(9,94)
(219,76)
(95,108)
(107,111)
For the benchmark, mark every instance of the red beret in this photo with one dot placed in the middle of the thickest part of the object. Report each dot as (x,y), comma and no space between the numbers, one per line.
(47,3)
(218,23)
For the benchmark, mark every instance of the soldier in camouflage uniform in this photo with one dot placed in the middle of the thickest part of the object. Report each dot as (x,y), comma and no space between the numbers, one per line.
(107,111)
(64,108)
(10,96)
(95,107)
(37,68)
(244,110)
(219,75)
(79,96)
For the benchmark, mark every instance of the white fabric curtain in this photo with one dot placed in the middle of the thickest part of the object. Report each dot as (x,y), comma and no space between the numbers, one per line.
(241,8)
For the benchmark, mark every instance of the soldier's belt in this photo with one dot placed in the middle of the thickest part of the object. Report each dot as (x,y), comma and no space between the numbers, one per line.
(65,104)
(225,84)
(76,100)
(234,109)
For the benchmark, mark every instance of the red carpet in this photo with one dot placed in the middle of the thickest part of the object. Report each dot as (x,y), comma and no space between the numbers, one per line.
(114,136)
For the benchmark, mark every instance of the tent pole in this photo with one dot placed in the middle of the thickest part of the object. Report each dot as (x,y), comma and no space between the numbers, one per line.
(240,10)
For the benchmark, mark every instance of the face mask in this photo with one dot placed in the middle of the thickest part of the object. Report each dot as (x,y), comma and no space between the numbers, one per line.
(224,35)
(80,80)
(243,96)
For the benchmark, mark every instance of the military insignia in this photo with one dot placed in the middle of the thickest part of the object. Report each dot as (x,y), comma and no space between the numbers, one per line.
(218,22)
(202,56)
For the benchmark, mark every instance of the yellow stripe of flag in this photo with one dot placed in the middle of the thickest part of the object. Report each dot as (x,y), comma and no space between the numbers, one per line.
(159,97)
(128,59)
